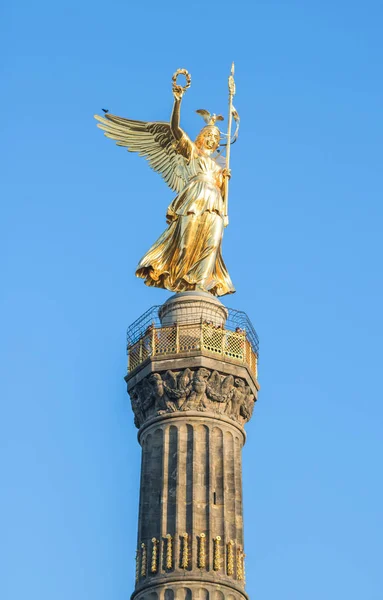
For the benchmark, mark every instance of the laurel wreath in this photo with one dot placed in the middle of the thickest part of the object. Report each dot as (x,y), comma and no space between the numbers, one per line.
(187,77)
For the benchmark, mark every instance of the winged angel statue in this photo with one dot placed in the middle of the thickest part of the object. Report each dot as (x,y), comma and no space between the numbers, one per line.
(187,256)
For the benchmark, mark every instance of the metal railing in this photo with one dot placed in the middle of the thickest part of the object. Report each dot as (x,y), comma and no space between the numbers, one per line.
(191,337)
(236,320)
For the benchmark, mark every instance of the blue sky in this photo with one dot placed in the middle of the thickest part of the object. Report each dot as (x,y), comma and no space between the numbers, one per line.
(304,250)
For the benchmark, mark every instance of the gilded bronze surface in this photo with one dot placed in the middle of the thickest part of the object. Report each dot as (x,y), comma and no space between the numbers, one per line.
(187,256)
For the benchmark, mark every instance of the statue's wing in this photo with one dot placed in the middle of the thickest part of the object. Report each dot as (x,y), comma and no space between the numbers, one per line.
(154,141)
(213,389)
(170,379)
(227,384)
(204,114)
(184,379)
(215,380)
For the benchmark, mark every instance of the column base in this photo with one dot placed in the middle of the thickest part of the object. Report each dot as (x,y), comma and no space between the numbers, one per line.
(190,588)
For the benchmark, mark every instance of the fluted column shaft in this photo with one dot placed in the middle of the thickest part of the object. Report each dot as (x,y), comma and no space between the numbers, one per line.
(190,517)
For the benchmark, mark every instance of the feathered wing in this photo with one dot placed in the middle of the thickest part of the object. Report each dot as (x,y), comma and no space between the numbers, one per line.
(184,379)
(170,379)
(204,114)
(227,385)
(209,118)
(154,141)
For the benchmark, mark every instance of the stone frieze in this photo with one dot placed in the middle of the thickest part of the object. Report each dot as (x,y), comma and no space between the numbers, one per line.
(200,389)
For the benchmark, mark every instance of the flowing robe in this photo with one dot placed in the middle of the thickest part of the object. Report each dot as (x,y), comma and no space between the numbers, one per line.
(187,256)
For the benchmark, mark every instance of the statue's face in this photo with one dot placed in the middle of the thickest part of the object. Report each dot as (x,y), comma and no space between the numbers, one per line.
(156,381)
(210,139)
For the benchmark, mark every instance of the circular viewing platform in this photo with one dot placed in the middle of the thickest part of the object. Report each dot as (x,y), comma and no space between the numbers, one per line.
(217,331)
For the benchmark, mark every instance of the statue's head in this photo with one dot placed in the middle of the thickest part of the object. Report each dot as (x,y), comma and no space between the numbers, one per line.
(239,383)
(208,138)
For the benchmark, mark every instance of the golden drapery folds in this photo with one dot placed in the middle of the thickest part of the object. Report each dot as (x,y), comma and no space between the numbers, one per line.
(187,256)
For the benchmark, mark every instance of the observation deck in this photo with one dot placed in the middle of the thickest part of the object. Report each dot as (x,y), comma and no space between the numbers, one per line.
(218,332)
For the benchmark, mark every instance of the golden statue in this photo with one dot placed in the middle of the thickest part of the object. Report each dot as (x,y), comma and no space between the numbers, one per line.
(187,256)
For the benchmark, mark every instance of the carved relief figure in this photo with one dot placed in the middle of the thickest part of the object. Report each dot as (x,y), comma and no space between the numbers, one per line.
(197,397)
(177,388)
(219,390)
(158,392)
(247,407)
(238,395)
(202,390)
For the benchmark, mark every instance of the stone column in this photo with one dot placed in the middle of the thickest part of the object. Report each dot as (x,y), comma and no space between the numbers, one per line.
(190,408)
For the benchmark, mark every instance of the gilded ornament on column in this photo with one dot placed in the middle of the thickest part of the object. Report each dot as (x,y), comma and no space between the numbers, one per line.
(230,558)
(143,560)
(169,551)
(137,565)
(244,567)
(202,551)
(154,564)
(217,553)
(239,564)
(185,551)
(188,254)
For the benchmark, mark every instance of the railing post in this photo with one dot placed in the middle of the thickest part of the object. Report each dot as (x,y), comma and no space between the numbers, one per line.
(140,351)
(153,340)
(128,359)
(201,340)
(177,338)
(243,347)
(223,334)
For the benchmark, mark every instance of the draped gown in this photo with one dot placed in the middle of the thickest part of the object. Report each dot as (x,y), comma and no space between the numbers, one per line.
(187,256)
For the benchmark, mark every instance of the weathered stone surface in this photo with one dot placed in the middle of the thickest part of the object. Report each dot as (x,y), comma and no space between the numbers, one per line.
(190,410)
(198,389)
(192,307)
(191,486)
(190,590)
(192,361)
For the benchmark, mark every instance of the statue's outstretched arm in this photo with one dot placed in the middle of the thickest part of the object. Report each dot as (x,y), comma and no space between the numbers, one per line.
(175,118)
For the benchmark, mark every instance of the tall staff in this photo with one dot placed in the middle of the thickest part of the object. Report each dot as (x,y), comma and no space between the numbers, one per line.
(231,95)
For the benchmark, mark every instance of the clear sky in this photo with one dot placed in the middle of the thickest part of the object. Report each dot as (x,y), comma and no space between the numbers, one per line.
(304,249)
